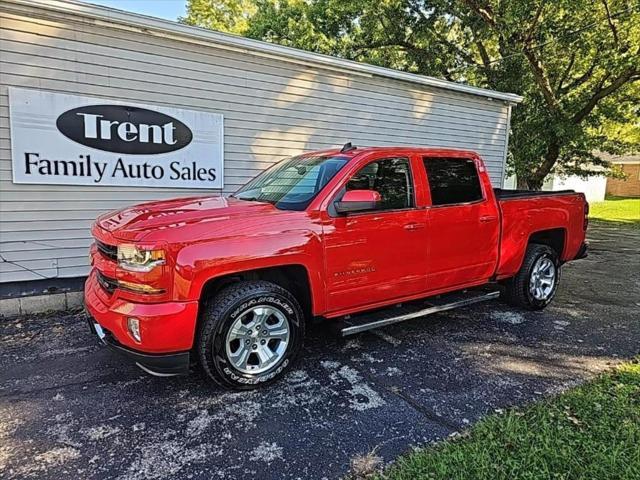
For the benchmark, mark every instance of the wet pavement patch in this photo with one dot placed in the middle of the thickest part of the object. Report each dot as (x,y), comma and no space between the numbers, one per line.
(72,409)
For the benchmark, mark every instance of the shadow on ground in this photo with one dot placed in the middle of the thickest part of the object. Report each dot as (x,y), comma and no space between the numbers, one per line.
(72,409)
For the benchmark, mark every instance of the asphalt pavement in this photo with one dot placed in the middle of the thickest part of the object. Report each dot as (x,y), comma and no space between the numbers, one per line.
(70,408)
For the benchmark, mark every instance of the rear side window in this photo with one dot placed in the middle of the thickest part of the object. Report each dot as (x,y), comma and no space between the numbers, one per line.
(452,180)
(391,177)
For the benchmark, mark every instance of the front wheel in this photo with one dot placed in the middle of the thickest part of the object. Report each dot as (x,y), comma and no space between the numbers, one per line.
(249,334)
(535,284)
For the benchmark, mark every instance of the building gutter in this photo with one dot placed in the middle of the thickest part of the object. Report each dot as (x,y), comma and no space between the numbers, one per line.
(118,18)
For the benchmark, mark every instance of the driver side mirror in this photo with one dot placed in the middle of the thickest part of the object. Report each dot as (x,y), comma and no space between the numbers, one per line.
(358,201)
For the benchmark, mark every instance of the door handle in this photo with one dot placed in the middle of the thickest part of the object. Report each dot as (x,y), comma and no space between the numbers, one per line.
(413,226)
(488,218)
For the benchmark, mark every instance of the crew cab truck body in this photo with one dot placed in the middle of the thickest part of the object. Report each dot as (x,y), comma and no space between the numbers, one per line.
(230,282)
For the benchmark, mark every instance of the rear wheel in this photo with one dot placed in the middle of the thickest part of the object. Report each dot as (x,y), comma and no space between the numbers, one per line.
(250,334)
(535,284)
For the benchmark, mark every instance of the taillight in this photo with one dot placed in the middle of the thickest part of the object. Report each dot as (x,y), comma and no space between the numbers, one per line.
(585,223)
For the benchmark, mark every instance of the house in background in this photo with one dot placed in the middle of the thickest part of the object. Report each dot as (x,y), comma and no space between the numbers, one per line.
(629,186)
(597,187)
(593,187)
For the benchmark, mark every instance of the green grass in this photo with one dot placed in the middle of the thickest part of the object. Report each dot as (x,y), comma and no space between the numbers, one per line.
(590,432)
(618,210)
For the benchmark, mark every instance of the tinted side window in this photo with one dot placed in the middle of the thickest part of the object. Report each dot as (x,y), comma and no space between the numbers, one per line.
(452,180)
(391,178)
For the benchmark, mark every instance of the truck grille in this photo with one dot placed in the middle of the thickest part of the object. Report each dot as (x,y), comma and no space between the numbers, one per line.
(109,284)
(109,251)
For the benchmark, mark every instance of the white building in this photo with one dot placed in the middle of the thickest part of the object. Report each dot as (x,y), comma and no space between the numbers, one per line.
(593,187)
(246,104)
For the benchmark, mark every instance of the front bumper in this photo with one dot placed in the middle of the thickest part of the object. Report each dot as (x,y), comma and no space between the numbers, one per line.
(162,365)
(167,329)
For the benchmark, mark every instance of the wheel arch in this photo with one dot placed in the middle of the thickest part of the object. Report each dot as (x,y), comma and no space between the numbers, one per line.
(554,238)
(294,277)
(514,247)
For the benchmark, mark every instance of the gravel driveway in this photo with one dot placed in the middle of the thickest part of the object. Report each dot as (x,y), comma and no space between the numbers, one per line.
(72,409)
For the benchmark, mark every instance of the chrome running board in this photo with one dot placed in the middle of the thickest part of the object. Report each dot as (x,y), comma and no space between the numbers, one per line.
(363,322)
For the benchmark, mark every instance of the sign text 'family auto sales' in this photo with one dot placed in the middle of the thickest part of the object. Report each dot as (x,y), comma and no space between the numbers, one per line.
(74,140)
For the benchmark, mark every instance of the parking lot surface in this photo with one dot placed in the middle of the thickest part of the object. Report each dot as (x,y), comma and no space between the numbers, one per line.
(70,408)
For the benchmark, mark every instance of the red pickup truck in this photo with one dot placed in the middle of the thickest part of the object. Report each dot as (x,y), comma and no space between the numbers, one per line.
(229,283)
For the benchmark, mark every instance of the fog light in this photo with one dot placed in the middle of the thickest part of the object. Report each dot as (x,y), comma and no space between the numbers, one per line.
(134,328)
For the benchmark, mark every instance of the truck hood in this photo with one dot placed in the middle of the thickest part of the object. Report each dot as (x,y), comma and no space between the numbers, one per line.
(134,223)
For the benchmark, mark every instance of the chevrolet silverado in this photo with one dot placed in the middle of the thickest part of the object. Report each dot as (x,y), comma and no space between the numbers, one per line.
(336,236)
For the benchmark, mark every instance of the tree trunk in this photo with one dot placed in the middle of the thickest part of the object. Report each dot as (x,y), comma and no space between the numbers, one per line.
(536,180)
(522,183)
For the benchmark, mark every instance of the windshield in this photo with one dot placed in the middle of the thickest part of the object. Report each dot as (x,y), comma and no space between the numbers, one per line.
(292,183)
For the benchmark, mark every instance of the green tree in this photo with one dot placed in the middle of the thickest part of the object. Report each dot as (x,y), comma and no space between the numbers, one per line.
(230,16)
(576,62)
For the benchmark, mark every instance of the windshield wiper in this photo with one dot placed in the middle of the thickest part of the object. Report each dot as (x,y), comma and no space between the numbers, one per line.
(253,199)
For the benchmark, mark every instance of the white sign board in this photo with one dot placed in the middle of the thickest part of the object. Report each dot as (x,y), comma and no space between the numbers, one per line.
(74,140)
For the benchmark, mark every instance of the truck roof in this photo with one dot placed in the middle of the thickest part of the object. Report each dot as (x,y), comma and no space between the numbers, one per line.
(439,151)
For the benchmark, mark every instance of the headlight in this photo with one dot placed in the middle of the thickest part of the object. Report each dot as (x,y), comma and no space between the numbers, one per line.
(137,259)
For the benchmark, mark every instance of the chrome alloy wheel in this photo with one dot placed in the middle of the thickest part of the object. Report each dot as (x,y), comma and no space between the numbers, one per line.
(543,278)
(258,339)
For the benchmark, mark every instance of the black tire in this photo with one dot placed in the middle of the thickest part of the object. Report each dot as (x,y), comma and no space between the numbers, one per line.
(219,314)
(517,291)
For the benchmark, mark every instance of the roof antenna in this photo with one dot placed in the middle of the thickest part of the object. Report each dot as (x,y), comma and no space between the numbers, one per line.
(347,147)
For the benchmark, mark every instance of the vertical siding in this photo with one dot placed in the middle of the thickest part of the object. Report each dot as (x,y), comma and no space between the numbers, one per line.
(272,108)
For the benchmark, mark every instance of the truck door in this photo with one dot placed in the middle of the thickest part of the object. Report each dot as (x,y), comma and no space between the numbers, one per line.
(464,225)
(378,255)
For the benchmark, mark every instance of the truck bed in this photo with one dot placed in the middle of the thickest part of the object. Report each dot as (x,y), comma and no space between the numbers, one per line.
(507,194)
(524,212)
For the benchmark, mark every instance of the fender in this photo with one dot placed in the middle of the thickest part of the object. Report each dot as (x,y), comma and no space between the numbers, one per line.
(196,264)
(514,255)
(517,229)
